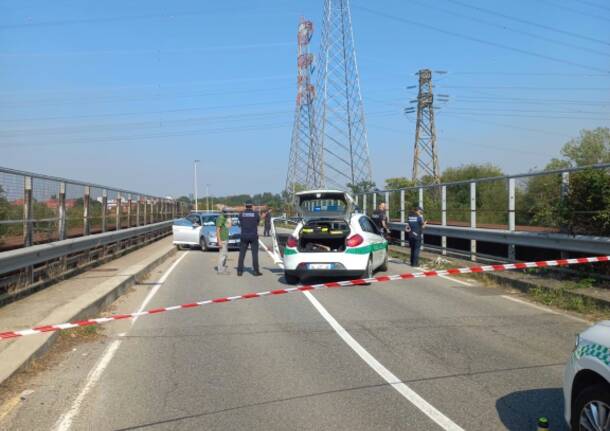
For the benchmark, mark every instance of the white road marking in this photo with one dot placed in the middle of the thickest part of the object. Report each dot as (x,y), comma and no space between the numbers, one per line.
(276,259)
(443,421)
(545,309)
(158,285)
(64,423)
(411,396)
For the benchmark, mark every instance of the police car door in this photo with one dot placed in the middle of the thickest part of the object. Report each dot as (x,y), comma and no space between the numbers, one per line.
(281,229)
(187,230)
(374,239)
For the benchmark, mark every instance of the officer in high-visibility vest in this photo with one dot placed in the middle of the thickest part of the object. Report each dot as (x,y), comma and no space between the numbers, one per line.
(415,229)
(248,220)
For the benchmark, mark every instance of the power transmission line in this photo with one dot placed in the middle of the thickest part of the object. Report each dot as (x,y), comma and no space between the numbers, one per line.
(141,98)
(532,23)
(122,114)
(507,150)
(482,41)
(530,88)
(154,136)
(532,74)
(576,11)
(510,29)
(592,4)
(510,126)
(92,128)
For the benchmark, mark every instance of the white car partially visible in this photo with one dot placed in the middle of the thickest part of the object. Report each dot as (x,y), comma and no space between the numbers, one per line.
(586,387)
(330,239)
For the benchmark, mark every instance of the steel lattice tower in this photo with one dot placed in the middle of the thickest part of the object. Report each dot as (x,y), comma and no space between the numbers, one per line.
(342,131)
(425,157)
(305,167)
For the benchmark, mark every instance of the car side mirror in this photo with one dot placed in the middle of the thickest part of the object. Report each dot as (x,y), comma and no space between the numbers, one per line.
(195,224)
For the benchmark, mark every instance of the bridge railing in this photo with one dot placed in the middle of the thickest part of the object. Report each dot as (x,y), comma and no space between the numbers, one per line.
(52,227)
(37,209)
(500,216)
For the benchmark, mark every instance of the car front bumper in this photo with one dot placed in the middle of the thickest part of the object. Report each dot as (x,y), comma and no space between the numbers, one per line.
(323,273)
(213,245)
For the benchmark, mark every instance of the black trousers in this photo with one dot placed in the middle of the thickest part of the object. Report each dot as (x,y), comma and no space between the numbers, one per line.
(267,230)
(243,247)
(415,244)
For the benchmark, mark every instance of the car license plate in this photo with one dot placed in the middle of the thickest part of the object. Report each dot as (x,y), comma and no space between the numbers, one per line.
(321,266)
(233,241)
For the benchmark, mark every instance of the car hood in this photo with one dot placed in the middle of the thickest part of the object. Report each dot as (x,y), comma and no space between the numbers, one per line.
(598,333)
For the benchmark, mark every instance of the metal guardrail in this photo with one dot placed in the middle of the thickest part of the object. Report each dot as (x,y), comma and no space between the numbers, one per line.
(26,270)
(591,245)
(14,260)
(504,210)
(36,208)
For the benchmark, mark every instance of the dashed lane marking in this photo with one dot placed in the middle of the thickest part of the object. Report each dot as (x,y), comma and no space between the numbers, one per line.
(64,423)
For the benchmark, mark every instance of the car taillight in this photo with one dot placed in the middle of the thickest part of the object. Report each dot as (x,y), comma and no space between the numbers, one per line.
(354,241)
(292,242)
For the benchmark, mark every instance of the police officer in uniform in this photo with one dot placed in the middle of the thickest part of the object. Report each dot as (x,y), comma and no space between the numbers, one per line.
(415,230)
(380,218)
(248,220)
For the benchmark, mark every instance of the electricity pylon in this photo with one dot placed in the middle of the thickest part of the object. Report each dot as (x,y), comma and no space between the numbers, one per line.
(342,132)
(305,167)
(425,156)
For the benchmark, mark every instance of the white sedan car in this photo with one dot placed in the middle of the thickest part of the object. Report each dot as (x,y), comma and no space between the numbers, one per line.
(586,385)
(330,239)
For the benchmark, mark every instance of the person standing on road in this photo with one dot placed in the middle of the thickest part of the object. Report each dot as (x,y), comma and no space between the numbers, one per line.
(267,219)
(415,229)
(381,219)
(249,220)
(223,224)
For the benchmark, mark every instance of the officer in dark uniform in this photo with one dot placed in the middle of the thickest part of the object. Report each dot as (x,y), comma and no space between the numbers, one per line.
(415,230)
(248,220)
(380,218)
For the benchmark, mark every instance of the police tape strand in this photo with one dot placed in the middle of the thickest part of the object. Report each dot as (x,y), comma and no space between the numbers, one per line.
(381,279)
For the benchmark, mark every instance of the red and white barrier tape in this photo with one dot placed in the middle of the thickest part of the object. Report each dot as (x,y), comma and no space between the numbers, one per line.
(456,271)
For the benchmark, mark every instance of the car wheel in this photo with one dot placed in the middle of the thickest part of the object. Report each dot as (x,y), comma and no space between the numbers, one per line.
(291,279)
(592,409)
(384,265)
(203,244)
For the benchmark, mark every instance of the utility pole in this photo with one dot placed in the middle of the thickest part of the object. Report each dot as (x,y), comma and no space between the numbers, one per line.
(343,138)
(305,167)
(195,183)
(425,155)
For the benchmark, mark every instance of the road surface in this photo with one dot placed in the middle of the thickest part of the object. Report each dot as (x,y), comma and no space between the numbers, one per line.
(425,354)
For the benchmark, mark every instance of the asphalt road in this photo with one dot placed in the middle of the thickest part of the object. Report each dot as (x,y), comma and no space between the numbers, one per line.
(475,358)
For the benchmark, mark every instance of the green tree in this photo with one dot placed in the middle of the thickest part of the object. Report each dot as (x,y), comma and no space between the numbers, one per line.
(398,183)
(361,187)
(586,208)
(491,197)
(590,148)
(541,202)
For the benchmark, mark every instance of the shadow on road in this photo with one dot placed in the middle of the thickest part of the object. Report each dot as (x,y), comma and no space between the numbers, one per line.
(521,410)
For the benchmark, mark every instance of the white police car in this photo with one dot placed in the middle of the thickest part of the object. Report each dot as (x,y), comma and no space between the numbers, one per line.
(586,387)
(330,239)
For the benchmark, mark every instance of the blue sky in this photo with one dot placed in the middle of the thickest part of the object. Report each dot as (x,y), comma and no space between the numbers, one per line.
(127,93)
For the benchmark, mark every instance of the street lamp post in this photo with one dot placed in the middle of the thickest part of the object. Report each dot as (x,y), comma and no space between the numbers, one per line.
(195,183)
(207,197)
